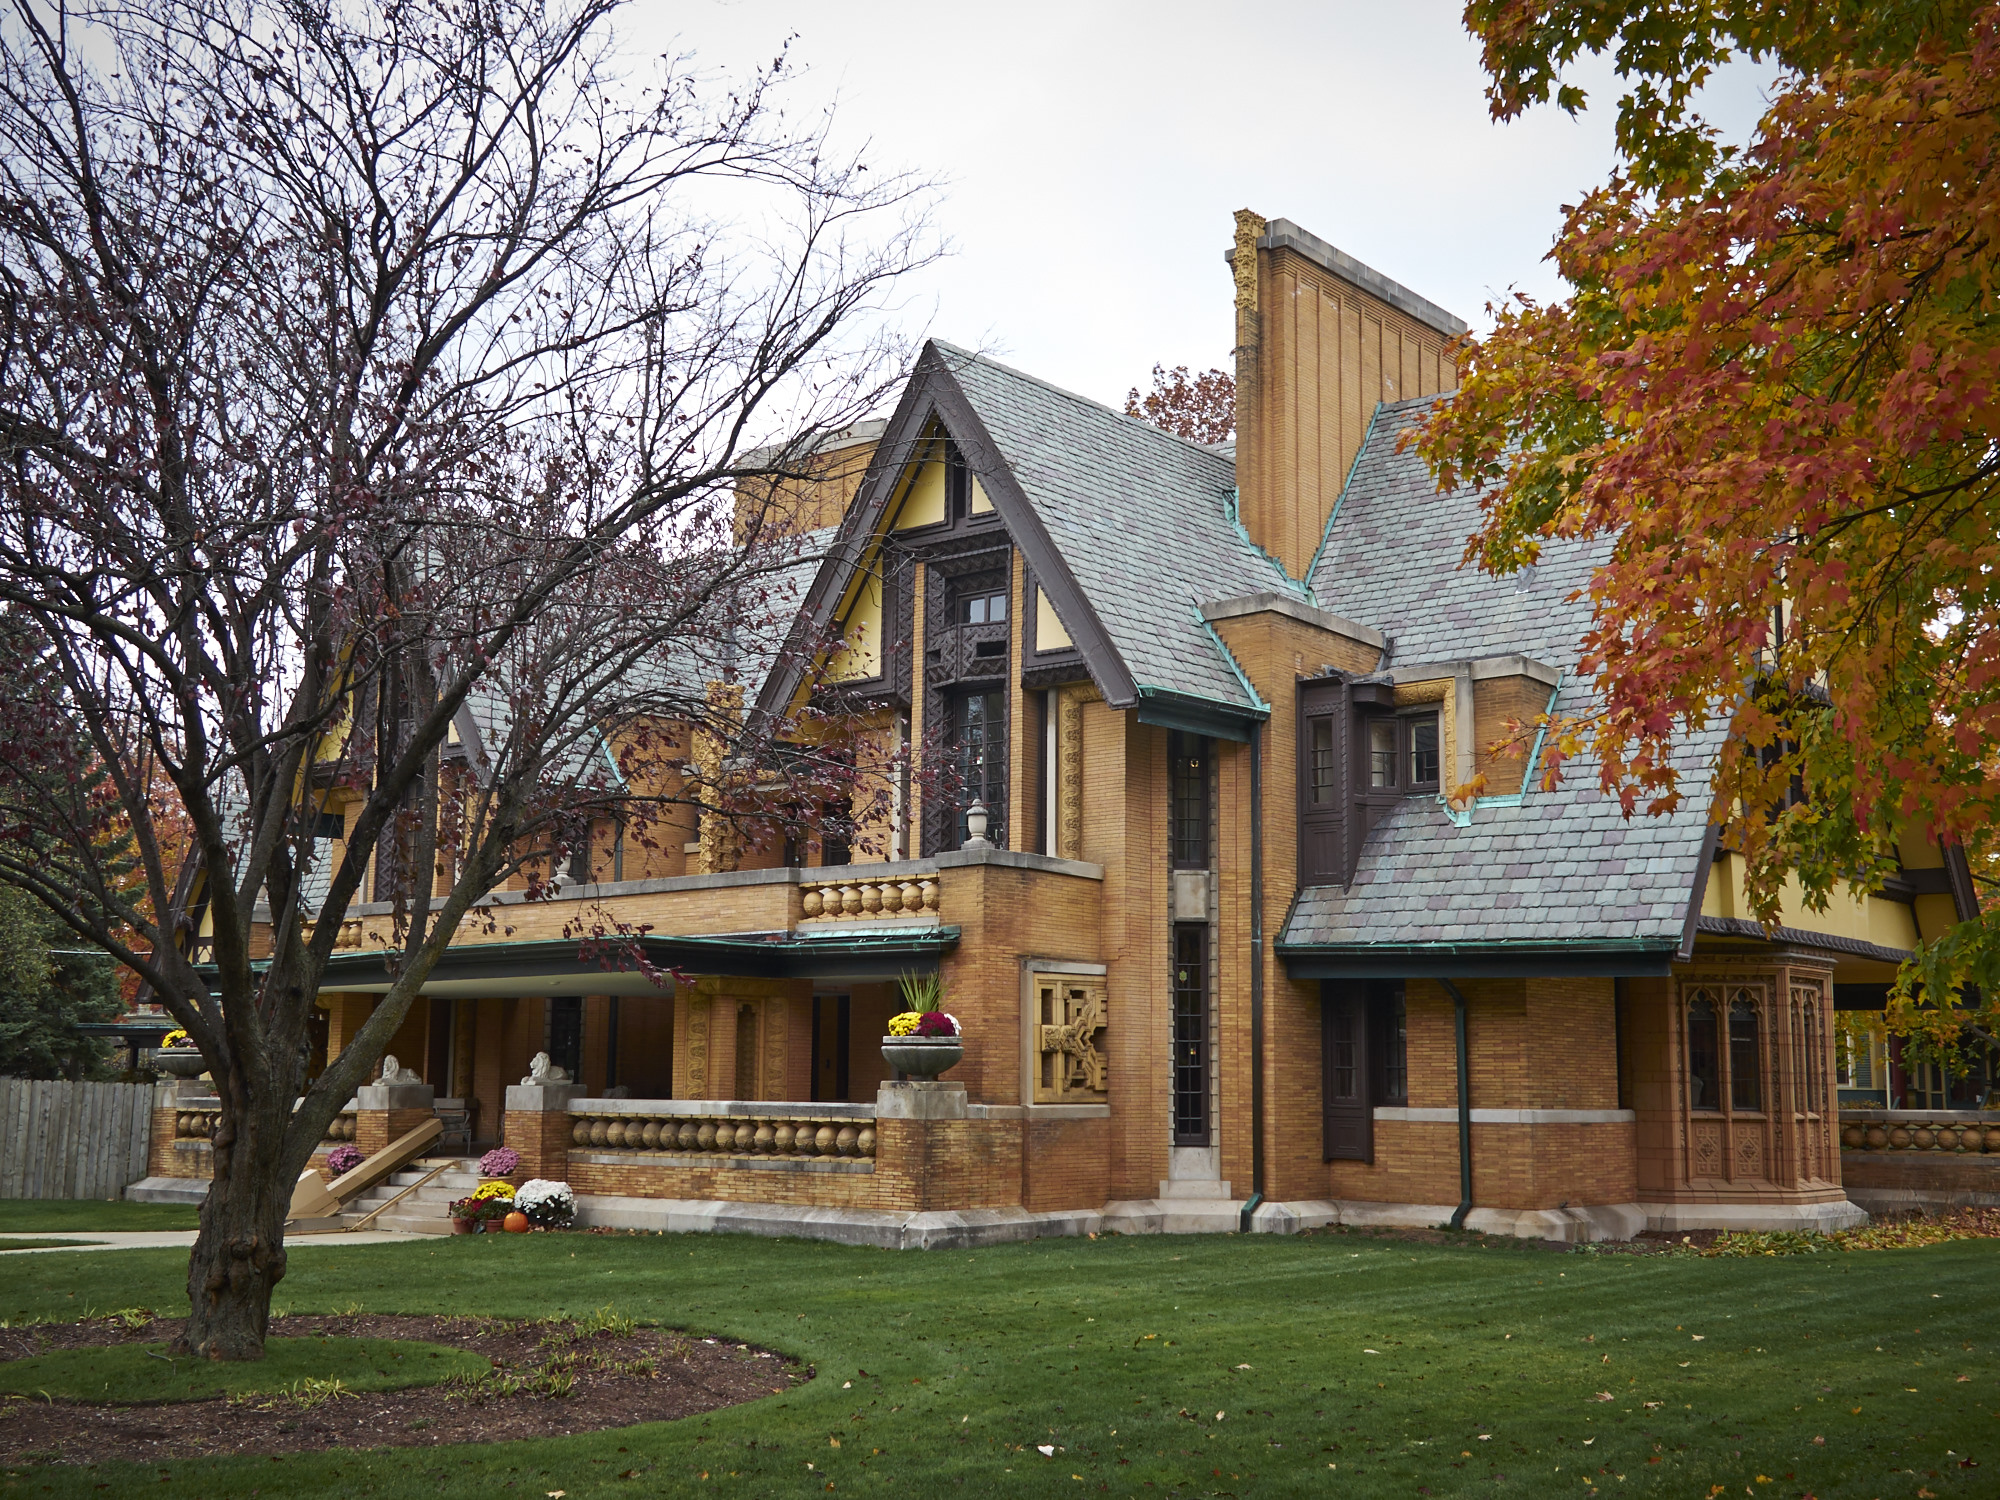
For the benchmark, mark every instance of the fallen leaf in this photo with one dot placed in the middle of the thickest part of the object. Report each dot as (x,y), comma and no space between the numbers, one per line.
(1602,1396)
(1047,1450)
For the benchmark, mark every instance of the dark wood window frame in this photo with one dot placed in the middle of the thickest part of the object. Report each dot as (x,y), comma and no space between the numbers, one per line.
(1189,770)
(1364,1061)
(1191,1041)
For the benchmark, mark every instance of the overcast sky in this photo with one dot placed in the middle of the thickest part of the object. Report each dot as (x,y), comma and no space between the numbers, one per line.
(1094,153)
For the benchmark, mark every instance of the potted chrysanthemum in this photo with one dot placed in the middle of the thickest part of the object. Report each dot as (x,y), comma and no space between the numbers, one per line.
(489,1203)
(924,1038)
(178,1055)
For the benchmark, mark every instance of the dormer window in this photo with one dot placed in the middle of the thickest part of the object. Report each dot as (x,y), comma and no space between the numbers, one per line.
(1423,759)
(1403,753)
(1382,753)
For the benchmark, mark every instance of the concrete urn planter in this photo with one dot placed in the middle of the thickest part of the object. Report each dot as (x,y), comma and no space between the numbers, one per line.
(182,1062)
(922,1056)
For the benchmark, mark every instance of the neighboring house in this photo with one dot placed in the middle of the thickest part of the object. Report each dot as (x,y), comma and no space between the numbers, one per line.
(1227,944)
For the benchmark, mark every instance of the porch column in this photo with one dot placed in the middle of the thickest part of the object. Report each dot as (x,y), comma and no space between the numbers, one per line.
(537,1125)
(385,1112)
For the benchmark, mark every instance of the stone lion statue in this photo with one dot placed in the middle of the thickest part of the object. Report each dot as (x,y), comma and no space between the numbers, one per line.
(542,1071)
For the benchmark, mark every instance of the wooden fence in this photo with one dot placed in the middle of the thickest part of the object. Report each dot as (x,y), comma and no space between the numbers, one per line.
(72,1140)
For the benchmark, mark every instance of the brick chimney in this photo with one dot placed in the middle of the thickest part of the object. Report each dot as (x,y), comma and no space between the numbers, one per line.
(1321,340)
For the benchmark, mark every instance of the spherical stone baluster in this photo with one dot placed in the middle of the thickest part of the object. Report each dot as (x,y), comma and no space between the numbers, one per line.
(1923,1138)
(781,1138)
(829,901)
(1852,1136)
(616,1134)
(649,1135)
(1878,1137)
(864,1142)
(704,1137)
(766,1140)
(850,900)
(908,897)
(929,891)
(843,1141)
(579,1133)
(600,1132)
(725,1135)
(826,1140)
(1993,1138)
(871,899)
(1899,1137)
(809,903)
(803,1142)
(684,1136)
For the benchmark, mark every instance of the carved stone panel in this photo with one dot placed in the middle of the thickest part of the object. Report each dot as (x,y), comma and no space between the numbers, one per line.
(1706,1155)
(1070,1017)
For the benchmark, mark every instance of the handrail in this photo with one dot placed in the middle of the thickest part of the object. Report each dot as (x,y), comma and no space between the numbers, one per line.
(439,1169)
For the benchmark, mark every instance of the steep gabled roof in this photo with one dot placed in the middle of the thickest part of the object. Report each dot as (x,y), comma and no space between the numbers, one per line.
(1391,559)
(1127,528)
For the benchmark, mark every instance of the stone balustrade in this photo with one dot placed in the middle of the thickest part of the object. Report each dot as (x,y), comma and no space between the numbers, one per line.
(340,1128)
(899,893)
(196,1124)
(795,1131)
(1961,1132)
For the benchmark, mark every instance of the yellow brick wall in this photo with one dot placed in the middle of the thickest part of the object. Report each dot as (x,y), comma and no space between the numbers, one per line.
(1497,702)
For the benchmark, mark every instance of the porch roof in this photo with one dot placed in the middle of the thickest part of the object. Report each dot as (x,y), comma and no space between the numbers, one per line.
(564,966)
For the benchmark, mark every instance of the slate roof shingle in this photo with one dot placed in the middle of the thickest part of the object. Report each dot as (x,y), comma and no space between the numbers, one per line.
(1391,560)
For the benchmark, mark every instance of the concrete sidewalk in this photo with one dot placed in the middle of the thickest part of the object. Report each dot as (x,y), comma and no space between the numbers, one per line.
(124,1239)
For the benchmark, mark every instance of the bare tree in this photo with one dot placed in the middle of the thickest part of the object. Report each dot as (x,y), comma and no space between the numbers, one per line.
(370,368)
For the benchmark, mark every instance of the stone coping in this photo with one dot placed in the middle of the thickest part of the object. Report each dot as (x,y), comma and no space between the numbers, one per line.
(1509,1116)
(1920,1116)
(1038,1112)
(721,1161)
(1012,859)
(756,1109)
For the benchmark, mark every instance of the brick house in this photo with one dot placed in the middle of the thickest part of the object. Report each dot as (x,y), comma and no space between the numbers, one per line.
(1227,955)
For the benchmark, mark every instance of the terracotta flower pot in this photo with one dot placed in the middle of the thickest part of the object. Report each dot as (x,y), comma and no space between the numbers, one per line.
(464,1226)
(516,1223)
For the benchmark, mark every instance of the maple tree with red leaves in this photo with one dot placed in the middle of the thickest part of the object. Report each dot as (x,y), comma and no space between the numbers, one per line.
(1775,392)
(1201,408)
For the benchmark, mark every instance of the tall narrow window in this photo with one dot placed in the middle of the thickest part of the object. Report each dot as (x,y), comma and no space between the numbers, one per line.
(1745,1062)
(1190,1034)
(1382,752)
(1325,767)
(1348,1125)
(1704,1056)
(979,759)
(562,1033)
(1391,1033)
(1187,756)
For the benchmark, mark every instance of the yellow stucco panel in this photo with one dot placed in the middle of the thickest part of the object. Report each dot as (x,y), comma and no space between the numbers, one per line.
(1049,632)
(923,501)
(1850,912)
(860,652)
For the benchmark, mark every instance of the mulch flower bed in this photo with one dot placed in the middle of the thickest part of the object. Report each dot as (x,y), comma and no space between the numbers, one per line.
(547,1380)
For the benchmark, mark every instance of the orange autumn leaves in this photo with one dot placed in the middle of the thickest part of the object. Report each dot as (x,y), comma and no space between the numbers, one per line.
(1775,394)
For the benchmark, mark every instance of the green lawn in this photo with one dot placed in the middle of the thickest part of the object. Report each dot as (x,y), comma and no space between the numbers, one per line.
(145,1372)
(47,1216)
(38,1244)
(1188,1366)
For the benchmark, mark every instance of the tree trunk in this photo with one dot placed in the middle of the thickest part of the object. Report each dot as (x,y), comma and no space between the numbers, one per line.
(239,1254)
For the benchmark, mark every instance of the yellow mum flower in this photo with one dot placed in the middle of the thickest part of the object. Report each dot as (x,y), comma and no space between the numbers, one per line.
(494,1190)
(905,1024)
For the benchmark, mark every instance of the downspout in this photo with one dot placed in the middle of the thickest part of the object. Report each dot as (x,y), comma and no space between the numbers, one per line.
(1464,1109)
(1256,977)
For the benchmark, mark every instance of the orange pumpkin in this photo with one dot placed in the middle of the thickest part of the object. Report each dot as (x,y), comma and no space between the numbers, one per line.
(516,1223)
